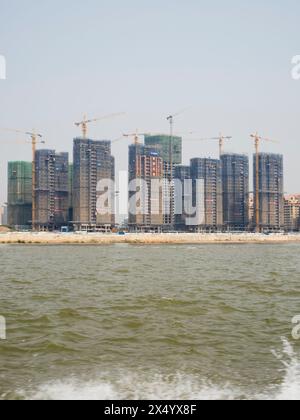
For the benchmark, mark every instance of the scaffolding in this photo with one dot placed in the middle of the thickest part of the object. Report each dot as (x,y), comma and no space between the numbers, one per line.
(71,172)
(271,192)
(182,174)
(52,189)
(93,162)
(235,180)
(170,150)
(211,202)
(145,167)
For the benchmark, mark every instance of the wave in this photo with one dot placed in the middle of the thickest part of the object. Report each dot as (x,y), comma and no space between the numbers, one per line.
(171,387)
(290,387)
(130,387)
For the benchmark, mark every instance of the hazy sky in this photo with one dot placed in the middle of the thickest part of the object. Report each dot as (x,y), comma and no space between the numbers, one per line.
(229,61)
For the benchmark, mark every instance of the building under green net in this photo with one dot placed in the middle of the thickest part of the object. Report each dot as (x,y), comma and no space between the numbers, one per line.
(162,143)
(19,194)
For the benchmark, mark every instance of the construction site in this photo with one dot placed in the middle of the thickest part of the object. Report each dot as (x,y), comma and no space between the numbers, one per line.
(92,163)
(51,194)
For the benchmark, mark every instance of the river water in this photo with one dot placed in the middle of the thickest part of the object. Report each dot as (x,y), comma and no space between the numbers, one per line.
(150,322)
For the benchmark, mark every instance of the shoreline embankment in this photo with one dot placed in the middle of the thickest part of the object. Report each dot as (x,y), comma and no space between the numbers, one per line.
(31,238)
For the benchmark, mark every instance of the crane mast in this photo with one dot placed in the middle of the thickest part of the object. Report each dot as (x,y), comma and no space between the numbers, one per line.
(170,119)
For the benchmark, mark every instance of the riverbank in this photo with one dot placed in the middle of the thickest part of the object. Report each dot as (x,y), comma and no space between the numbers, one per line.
(143,239)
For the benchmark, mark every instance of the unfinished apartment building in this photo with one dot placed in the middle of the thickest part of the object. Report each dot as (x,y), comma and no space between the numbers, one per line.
(170,151)
(271,192)
(235,184)
(206,175)
(183,191)
(51,189)
(92,162)
(19,199)
(146,189)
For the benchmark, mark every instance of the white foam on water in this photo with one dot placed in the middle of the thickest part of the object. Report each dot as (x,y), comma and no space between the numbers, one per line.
(132,387)
(290,387)
(73,390)
(178,387)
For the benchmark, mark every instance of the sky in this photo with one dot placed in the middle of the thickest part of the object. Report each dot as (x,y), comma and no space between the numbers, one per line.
(227,63)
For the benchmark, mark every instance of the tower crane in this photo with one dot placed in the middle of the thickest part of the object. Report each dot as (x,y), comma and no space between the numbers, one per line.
(85,122)
(36,138)
(257,141)
(221,139)
(170,119)
(135,136)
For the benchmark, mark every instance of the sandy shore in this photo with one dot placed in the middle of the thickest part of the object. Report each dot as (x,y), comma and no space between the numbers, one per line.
(143,239)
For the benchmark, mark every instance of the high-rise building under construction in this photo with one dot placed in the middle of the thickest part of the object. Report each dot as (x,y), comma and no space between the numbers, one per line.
(162,143)
(70,191)
(51,189)
(146,188)
(270,193)
(92,163)
(207,194)
(235,184)
(170,150)
(183,196)
(19,197)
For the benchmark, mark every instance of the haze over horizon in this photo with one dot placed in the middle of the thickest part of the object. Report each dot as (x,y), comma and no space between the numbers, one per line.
(230,63)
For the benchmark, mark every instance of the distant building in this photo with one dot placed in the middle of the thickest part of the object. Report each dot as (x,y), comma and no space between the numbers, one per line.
(251,211)
(3,215)
(19,197)
(171,154)
(182,192)
(145,168)
(71,174)
(235,182)
(271,192)
(207,194)
(93,162)
(292,213)
(52,189)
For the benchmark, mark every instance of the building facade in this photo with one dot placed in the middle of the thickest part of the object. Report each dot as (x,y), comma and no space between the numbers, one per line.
(52,189)
(170,151)
(163,143)
(206,175)
(183,196)
(270,193)
(145,188)
(251,211)
(92,163)
(3,215)
(235,184)
(71,176)
(292,213)
(19,197)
